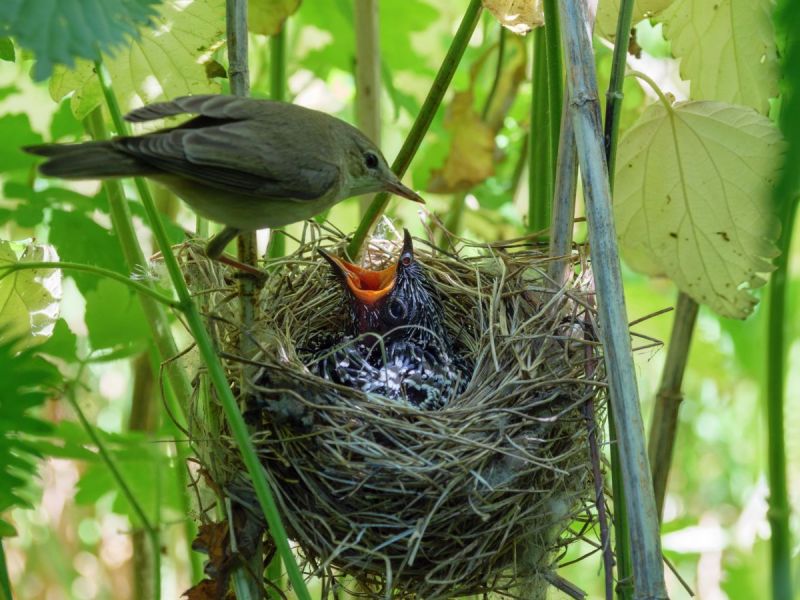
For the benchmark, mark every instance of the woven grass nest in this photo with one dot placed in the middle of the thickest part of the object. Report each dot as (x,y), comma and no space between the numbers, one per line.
(481,496)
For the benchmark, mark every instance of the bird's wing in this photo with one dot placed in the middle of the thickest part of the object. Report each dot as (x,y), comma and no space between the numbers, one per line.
(255,154)
(215,106)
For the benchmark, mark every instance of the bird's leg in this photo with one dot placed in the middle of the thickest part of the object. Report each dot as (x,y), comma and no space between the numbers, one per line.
(216,245)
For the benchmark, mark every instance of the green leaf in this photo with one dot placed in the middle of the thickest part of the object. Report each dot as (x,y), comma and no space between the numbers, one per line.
(115,319)
(64,124)
(61,344)
(608,12)
(267,16)
(165,62)
(7,52)
(79,239)
(29,299)
(692,200)
(59,31)
(25,382)
(727,49)
(18,129)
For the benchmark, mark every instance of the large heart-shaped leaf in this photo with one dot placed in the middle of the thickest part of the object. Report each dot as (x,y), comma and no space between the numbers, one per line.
(692,200)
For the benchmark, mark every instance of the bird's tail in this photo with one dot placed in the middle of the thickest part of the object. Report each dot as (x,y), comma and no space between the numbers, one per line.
(89,160)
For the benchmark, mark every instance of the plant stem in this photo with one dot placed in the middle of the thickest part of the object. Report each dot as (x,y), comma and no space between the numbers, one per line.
(621,533)
(136,286)
(215,371)
(585,112)
(566,184)
(277,91)
(779,508)
(664,423)
(5,582)
(540,190)
(368,74)
(555,80)
(614,94)
(150,530)
(422,122)
(134,257)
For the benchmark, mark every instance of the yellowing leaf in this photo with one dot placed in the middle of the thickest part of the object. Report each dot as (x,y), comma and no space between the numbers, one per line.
(692,200)
(29,299)
(727,49)
(267,16)
(471,157)
(166,62)
(519,16)
(608,12)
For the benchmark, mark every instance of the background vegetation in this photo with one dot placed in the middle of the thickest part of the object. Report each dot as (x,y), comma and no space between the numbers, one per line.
(77,361)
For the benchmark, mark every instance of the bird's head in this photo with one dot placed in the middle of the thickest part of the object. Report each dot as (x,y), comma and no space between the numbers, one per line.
(396,301)
(366,170)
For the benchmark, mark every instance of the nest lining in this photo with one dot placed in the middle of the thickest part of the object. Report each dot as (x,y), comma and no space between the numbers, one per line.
(474,498)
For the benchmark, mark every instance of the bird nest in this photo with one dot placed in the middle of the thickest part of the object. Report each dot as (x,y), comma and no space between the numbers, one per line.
(481,496)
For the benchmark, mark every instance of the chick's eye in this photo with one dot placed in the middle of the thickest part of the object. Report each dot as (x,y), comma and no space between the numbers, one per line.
(371,160)
(406,259)
(397,310)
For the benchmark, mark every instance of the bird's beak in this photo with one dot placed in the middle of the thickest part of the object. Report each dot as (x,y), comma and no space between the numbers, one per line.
(366,285)
(396,187)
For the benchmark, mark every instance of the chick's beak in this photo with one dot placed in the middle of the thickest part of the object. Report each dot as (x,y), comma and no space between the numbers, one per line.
(366,285)
(396,187)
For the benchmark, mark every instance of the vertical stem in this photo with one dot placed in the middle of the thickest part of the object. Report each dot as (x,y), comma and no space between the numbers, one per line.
(277,91)
(555,80)
(614,94)
(540,190)
(664,423)
(134,258)
(368,74)
(564,201)
(621,532)
(585,112)
(779,508)
(209,357)
(5,582)
(422,122)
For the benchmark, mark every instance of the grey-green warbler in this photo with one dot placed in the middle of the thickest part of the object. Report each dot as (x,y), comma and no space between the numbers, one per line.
(243,162)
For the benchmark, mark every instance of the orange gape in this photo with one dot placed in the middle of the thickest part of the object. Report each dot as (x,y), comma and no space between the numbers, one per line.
(368,286)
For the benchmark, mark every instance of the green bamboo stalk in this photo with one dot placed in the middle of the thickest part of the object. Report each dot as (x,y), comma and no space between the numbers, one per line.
(555,80)
(540,184)
(277,91)
(422,122)
(585,112)
(215,371)
(145,290)
(150,530)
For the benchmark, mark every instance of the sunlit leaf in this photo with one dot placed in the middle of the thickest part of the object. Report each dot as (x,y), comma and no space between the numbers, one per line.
(608,13)
(59,31)
(165,62)
(471,157)
(727,49)
(519,16)
(115,319)
(7,49)
(98,246)
(62,343)
(692,200)
(29,299)
(267,16)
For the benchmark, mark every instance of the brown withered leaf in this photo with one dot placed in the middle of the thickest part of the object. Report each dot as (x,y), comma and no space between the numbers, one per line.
(267,16)
(470,160)
(519,16)
(212,539)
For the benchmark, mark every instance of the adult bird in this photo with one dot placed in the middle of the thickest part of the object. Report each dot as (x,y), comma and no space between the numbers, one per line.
(395,342)
(243,162)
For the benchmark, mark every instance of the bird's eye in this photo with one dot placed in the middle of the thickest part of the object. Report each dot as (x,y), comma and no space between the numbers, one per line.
(406,259)
(371,160)
(397,310)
